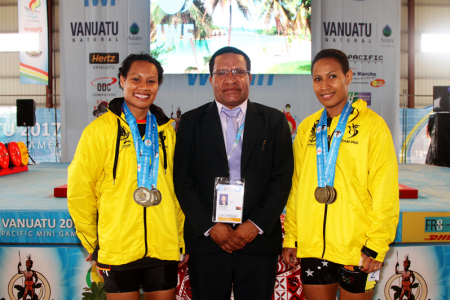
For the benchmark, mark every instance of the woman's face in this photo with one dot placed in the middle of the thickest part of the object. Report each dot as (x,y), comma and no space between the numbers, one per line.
(140,87)
(330,83)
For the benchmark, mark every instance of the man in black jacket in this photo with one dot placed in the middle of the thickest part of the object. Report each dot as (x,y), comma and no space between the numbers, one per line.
(223,256)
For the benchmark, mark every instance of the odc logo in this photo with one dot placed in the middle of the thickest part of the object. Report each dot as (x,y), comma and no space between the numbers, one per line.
(172,7)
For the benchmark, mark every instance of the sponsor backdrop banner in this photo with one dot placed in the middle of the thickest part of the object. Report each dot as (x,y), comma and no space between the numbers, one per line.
(96,35)
(376,66)
(44,227)
(413,137)
(62,273)
(41,137)
(33,19)
(422,271)
(368,32)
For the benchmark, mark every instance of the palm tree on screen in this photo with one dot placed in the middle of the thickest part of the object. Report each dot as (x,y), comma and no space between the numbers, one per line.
(282,11)
(196,14)
(242,5)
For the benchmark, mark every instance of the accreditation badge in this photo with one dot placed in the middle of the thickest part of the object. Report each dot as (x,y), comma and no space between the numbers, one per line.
(228,200)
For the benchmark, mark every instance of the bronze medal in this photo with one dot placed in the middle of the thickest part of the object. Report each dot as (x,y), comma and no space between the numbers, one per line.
(332,197)
(143,197)
(156,196)
(322,194)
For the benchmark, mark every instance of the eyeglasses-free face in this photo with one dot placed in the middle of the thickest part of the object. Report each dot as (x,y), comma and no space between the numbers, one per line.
(230,91)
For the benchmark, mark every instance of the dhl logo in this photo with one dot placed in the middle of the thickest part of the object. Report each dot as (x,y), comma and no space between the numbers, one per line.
(440,237)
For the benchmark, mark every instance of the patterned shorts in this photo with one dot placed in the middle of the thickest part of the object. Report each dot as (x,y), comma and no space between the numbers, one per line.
(350,278)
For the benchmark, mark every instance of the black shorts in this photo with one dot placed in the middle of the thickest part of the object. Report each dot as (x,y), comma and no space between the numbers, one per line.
(150,279)
(350,278)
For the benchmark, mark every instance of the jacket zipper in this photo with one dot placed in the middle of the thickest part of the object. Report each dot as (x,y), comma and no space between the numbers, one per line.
(324,228)
(145,231)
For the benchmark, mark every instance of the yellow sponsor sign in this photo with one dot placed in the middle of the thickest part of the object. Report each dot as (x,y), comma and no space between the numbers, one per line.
(426,227)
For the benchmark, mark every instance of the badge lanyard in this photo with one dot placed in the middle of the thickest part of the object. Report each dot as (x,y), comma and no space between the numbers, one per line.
(238,137)
(145,150)
(326,162)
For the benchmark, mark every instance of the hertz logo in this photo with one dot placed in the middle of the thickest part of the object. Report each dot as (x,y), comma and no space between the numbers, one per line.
(103,58)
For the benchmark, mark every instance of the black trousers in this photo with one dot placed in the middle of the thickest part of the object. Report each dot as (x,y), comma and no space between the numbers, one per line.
(213,276)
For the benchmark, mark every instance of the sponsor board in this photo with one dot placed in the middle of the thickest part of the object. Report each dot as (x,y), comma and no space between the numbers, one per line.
(353,96)
(415,272)
(43,137)
(426,227)
(347,32)
(32,16)
(19,227)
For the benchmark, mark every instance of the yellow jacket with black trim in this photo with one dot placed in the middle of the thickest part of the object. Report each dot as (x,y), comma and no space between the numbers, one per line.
(101,183)
(365,215)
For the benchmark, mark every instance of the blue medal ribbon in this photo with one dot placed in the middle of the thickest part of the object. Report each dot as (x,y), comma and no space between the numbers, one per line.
(236,140)
(147,170)
(326,162)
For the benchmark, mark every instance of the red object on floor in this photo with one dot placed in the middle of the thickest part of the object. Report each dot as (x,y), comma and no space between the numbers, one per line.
(13,170)
(15,157)
(407,192)
(61,191)
(4,156)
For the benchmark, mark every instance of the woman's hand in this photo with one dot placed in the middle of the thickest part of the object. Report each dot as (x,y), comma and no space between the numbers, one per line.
(183,260)
(89,258)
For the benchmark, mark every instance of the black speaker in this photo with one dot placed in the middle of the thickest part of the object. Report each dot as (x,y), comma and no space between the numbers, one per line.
(439,131)
(26,112)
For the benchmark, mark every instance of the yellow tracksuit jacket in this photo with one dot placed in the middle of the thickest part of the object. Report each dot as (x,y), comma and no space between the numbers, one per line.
(365,215)
(101,184)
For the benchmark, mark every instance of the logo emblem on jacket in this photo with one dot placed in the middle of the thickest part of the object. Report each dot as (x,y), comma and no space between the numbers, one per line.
(312,137)
(124,136)
(353,130)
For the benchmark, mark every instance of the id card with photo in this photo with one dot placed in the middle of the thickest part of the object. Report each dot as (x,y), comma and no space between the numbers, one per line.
(228,200)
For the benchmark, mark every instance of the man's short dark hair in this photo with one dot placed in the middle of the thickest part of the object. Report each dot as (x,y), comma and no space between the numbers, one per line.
(126,65)
(228,50)
(338,55)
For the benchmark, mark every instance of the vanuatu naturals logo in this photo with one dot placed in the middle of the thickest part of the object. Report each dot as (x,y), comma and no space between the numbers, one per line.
(134,29)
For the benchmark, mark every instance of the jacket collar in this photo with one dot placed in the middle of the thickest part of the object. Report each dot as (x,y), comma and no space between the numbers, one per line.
(115,106)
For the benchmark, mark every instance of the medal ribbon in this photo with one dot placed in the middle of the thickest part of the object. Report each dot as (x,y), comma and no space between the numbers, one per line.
(145,150)
(326,162)
(236,140)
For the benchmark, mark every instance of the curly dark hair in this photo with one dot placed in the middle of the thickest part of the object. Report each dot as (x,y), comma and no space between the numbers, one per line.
(338,55)
(229,50)
(126,65)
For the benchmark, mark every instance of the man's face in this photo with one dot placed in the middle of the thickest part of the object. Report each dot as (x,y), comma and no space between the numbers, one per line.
(230,91)
(330,83)
(28,265)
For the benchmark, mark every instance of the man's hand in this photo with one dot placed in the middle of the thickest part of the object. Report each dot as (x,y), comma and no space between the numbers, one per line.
(370,265)
(246,232)
(223,235)
(290,257)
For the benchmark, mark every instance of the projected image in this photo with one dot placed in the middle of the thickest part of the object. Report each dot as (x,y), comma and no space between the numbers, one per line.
(276,34)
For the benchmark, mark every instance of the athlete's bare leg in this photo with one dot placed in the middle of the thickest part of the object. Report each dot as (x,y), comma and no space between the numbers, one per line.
(344,295)
(321,292)
(161,295)
(124,296)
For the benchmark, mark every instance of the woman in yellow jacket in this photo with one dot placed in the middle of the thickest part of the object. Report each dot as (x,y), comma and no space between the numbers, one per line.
(343,208)
(120,189)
